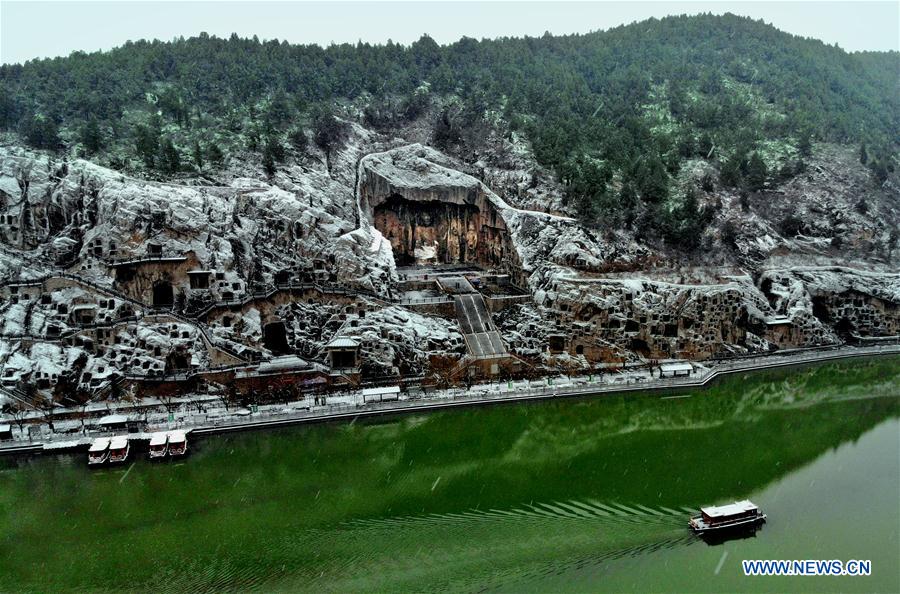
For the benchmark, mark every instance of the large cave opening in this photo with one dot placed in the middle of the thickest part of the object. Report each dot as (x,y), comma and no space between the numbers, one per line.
(436,232)
(163,294)
(275,338)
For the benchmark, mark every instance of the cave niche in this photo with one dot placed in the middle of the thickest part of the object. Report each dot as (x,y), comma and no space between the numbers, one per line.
(275,338)
(163,294)
(438,232)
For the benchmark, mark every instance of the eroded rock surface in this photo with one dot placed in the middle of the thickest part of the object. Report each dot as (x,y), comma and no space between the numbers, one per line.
(105,274)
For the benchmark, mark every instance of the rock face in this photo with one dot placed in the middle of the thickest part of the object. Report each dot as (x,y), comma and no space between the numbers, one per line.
(832,304)
(430,187)
(830,213)
(437,232)
(432,214)
(105,275)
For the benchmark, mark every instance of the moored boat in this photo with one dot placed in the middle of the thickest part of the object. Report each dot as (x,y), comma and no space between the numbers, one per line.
(98,453)
(177,444)
(119,449)
(738,515)
(159,445)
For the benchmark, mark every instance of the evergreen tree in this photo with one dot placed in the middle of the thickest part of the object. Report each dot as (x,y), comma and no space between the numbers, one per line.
(629,203)
(705,145)
(730,172)
(41,132)
(268,163)
(279,110)
(91,137)
(879,170)
(273,153)
(756,173)
(169,159)
(805,144)
(9,112)
(146,144)
(328,131)
(198,155)
(653,183)
(863,154)
(298,139)
(215,154)
(568,95)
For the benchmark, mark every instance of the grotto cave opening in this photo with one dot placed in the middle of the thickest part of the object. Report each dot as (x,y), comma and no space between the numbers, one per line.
(437,232)
(163,294)
(275,338)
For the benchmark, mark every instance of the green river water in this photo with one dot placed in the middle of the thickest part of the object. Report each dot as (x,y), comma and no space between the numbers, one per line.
(575,495)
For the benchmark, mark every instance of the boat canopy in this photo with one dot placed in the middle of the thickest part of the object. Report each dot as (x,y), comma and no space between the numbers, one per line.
(676,368)
(177,437)
(381,391)
(158,439)
(113,420)
(118,443)
(100,444)
(732,509)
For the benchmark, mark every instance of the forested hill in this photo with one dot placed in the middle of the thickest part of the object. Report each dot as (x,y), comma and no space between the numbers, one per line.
(613,113)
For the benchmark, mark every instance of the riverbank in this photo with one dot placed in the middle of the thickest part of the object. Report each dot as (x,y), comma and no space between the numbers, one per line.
(558,495)
(352,405)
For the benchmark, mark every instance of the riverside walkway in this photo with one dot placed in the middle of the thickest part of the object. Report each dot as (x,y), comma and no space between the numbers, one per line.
(351,405)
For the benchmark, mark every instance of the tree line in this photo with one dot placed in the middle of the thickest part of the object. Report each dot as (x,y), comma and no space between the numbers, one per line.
(614,114)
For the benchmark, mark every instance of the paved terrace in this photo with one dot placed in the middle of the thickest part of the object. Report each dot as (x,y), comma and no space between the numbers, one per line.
(350,405)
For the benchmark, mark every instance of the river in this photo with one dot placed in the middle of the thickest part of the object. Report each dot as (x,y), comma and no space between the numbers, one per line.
(575,495)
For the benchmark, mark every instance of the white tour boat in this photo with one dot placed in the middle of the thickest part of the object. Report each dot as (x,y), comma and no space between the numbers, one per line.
(740,514)
(159,445)
(98,453)
(119,449)
(177,444)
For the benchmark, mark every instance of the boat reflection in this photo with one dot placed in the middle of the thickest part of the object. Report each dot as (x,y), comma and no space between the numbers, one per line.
(718,538)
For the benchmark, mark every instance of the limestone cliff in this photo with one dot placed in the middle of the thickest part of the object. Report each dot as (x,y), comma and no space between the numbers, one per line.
(105,274)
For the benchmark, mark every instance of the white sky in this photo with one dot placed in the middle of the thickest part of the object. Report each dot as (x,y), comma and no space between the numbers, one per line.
(44,29)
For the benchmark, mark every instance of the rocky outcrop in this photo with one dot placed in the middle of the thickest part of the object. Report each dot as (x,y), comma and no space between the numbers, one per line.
(521,239)
(262,265)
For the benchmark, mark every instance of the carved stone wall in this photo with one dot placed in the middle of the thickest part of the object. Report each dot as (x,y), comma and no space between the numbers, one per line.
(435,232)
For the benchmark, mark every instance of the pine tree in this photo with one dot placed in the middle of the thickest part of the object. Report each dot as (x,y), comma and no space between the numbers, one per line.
(169,159)
(215,154)
(146,144)
(268,163)
(298,140)
(756,173)
(653,183)
(41,132)
(730,172)
(705,145)
(198,155)
(863,154)
(805,145)
(273,153)
(628,203)
(328,131)
(91,137)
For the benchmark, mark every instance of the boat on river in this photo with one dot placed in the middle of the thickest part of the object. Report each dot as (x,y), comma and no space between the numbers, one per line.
(177,444)
(98,453)
(734,516)
(119,448)
(159,445)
